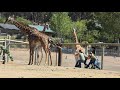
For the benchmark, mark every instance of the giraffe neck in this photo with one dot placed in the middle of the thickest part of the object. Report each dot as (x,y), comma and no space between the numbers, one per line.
(77,47)
(75,37)
(28,30)
(76,41)
(24,28)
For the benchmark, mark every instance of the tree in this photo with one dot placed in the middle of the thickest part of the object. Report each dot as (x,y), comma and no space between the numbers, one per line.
(61,23)
(2,19)
(110,24)
(23,20)
(75,16)
(81,28)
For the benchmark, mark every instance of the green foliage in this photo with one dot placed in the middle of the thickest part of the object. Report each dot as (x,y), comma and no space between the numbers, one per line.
(110,22)
(90,39)
(5,51)
(81,28)
(22,20)
(67,41)
(2,20)
(61,23)
(94,35)
(90,26)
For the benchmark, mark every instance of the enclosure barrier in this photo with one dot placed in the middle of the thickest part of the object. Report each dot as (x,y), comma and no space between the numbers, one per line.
(7,42)
(101,45)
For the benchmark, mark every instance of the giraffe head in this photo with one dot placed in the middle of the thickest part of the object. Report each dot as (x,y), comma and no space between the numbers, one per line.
(74,30)
(9,19)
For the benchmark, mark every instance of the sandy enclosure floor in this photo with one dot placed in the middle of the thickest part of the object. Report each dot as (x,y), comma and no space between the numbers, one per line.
(19,68)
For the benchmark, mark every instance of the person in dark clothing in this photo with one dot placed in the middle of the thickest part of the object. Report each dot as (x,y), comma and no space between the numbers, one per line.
(93,50)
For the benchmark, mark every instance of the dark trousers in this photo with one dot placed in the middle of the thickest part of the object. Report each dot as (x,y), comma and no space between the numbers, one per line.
(85,62)
(78,63)
(92,62)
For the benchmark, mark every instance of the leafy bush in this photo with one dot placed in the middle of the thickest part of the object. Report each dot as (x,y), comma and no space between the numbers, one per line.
(2,19)
(24,21)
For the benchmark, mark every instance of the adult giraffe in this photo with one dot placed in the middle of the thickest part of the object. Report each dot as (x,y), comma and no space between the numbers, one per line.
(35,39)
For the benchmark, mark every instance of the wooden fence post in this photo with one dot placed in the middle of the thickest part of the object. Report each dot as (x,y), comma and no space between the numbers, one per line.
(118,51)
(56,56)
(59,56)
(8,37)
(102,57)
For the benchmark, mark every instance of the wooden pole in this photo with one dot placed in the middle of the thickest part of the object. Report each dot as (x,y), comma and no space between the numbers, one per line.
(56,56)
(102,57)
(59,56)
(8,46)
(118,51)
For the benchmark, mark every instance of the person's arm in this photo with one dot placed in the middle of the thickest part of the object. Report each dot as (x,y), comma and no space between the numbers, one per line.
(76,53)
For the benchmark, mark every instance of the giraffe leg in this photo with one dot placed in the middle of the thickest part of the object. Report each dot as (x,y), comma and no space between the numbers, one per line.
(46,58)
(35,60)
(37,56)
(30,57)
(39,62)
(46,54)
(50,58)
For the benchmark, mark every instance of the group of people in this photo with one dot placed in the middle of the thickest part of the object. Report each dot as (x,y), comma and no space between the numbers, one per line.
(83,59)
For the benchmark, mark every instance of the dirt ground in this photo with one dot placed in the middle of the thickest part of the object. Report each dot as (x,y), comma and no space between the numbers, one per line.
(19,68)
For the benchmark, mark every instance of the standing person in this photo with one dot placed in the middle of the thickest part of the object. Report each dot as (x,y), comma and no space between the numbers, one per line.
(82,59)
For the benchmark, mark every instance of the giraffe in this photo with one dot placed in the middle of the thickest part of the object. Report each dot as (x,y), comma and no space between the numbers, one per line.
(77,47)
(35,39)
(40,47)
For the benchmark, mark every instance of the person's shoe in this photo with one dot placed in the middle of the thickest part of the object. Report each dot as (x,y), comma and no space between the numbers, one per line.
(99,68)
(86,66)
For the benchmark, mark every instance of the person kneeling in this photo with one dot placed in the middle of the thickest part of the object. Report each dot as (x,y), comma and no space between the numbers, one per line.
(93,61)
(82,59)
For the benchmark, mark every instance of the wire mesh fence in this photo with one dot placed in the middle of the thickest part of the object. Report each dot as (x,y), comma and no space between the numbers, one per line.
(111,54)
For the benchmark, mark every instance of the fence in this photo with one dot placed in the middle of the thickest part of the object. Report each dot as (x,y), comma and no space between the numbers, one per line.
(102,50)
(7,43)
